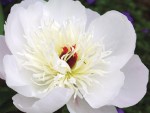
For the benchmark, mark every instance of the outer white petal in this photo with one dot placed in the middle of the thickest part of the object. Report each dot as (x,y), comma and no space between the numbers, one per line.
(91,15)
(3,51)
(49,104)
(27,3)
(17,78)
(136,79)
(23,18)
(118,35)
(62,10)
(81,106)
(107,89)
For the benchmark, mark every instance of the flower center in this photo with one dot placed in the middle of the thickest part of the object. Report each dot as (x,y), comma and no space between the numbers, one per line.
(69,55)
(72,60)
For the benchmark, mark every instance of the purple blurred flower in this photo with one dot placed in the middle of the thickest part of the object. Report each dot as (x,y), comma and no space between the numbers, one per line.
(91,2)
(5,2)
(120,110)
(146,31)
(127,14)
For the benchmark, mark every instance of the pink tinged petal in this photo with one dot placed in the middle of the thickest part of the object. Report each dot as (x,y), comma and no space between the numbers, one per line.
(118,36)
(54,100)
(3,51)
(135,86)
(107,89)
(22,24)
(81,106)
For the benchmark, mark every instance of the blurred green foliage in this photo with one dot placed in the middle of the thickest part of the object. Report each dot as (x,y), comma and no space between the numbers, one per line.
(1,20)
(140,11)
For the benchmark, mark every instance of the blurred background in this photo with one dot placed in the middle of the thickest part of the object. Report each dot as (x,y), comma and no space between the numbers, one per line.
(137,11)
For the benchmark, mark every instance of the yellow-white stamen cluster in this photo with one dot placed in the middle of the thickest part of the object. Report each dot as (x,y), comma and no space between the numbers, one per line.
(42,57)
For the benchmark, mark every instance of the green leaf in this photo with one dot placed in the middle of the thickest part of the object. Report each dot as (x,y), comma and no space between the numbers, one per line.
(1,20)
(8,107)
(6,104)
(5,95)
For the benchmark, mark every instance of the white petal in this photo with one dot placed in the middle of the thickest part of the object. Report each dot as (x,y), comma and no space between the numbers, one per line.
(81,106)
(16,78)
(3,51)
(49,104)
(26,17)
(118,36)
(24,103)
(62,10)
(136,79)
(29,24)
(27,3)
(91,15)
(37,13)
(107,89)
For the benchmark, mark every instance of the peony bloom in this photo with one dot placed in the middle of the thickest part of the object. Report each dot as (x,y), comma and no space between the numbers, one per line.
(62,53)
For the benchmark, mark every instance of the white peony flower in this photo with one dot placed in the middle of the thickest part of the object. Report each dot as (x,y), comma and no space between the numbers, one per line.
(62,53)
